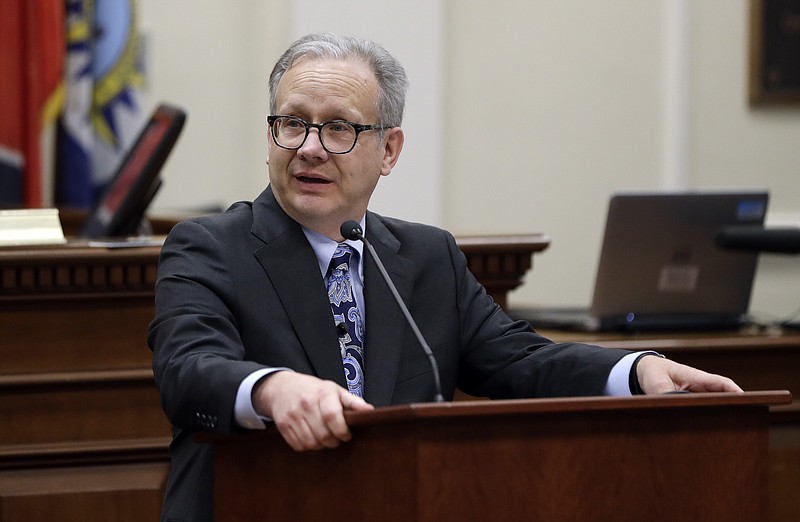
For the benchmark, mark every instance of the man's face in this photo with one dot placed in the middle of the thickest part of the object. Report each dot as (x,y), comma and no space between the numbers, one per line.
(318,189)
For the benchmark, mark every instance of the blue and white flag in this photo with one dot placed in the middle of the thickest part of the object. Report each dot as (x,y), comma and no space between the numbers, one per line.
(103,112)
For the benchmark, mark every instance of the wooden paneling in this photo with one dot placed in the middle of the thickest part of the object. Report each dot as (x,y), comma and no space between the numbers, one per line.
(78,407)
(77,394)
(82,433)
(643,458)
(501,262)
(125,493)
(757,360)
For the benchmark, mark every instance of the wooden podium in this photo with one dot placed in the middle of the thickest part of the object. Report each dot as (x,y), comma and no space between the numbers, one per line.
(672,457)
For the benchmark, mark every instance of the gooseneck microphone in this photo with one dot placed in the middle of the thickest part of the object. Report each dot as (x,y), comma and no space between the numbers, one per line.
(352,230)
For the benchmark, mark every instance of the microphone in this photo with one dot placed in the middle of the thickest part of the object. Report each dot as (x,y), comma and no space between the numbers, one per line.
(352,230)
(341,329)
(783,240)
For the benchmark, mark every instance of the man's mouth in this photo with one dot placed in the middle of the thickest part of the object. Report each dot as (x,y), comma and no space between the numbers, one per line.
(310,179)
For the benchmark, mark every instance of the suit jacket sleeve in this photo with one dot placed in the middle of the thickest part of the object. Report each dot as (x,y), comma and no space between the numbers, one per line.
(505,358)
(198,354)
(480,350)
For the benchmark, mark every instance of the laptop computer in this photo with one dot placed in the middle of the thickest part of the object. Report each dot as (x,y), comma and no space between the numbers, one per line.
(660,268)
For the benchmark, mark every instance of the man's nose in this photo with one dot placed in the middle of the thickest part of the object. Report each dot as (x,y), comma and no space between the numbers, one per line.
(313,144)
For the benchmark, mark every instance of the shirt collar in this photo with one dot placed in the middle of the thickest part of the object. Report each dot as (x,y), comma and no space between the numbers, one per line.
(324,247)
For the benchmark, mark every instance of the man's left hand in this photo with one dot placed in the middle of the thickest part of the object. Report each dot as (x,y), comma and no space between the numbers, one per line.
(658,375)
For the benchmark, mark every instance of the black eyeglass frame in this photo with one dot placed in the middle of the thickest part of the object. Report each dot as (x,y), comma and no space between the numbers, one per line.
(358,127)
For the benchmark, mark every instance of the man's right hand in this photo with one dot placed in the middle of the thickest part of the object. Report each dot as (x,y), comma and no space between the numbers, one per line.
(308,411)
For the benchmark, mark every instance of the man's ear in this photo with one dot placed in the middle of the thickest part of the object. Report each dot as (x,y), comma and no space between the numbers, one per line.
(392,146)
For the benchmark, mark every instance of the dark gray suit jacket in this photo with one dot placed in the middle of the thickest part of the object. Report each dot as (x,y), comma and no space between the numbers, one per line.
(242,290)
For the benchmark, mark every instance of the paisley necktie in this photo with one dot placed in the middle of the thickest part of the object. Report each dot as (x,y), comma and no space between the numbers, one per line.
(347,318)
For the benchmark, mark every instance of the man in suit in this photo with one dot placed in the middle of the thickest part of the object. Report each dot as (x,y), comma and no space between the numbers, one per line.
(245,333)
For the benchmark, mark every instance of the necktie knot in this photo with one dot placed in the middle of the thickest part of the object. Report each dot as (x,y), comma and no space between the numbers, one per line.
(340,286)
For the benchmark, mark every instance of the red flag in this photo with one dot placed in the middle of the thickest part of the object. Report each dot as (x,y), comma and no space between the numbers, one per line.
(31,62)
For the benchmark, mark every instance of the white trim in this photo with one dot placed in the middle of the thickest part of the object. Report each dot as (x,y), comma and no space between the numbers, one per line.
(677,98)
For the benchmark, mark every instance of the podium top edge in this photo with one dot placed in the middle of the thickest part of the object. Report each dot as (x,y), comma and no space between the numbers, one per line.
(458,409)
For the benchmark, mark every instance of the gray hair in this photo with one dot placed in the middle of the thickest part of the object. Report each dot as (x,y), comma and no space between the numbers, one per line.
(392,80)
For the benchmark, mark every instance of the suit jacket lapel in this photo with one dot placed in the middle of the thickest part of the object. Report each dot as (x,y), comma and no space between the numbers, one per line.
(385,323)
(291,266)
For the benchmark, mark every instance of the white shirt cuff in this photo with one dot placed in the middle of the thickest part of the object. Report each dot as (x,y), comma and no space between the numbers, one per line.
(619,378)
(243,410)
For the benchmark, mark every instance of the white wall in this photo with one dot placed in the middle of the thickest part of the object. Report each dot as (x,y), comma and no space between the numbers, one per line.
(212,59)
(523,115)
(555,104)
(734,144)
(602,96)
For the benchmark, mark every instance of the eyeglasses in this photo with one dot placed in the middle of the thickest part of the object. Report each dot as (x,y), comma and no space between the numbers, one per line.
(336,137)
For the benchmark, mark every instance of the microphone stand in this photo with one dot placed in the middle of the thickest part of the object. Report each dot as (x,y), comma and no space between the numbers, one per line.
(352,230)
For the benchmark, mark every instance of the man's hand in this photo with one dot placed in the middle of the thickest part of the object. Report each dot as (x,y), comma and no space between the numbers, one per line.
(659,375)
(308,411)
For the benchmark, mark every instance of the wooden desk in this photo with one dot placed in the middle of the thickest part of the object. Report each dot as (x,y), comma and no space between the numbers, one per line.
(756,360)
(81,426)
(501,262)
(80,421)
